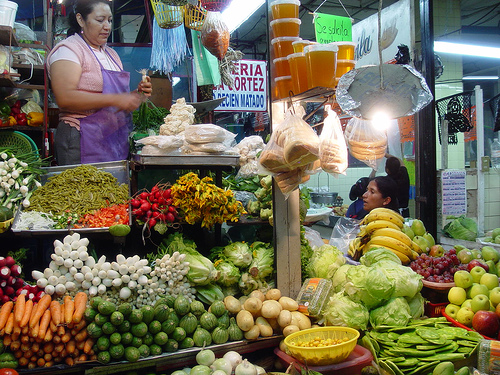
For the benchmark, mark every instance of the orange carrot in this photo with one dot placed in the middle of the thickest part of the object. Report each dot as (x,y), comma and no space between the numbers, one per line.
(71,346)
(53,327)
(28,308)
(69,309)
(66,337)
(5,312)
(48,336)
(78,327)
(7,340)
(25,330)
(87,348)
(35,329)
(80,306)
(9,326)
(19,308)
(55,312)
(82,335)
(33,312)
(43,305)
(61,330)
(44,323)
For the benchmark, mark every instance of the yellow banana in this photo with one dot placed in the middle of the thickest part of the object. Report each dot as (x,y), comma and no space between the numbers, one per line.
(415,255)
(415,247)
(377,224)
(392,243)
(387,216)
(395,233)
(388,211)
(404,259)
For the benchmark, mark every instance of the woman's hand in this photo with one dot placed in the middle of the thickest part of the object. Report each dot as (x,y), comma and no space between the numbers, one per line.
(129,102)
(145,87)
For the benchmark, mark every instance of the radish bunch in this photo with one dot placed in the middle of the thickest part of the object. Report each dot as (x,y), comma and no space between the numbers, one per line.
(11,284)
(154,207)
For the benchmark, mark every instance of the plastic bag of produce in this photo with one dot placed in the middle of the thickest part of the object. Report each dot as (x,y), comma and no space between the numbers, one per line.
(332,146)
(215,35)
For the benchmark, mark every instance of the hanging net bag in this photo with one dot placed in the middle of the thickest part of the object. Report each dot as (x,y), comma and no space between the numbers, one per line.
(455,112)
(215,5)
(168,16)
(194,16)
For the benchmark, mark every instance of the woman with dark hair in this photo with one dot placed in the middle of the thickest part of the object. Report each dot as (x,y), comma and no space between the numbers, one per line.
(381,192)
(92,89)
(399,174)
(355,210)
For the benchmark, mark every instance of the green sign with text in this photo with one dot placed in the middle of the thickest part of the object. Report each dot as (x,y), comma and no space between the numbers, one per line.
(330,28)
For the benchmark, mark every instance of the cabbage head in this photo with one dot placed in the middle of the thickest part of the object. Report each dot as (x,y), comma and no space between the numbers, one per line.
(229,273)
(417,306)
(378,254)
(238,253)
(342,311)
(368,285)
(201,269)
(325,261)
(406,282)
(461,228)
(396,312)
(339,279)
(262,264)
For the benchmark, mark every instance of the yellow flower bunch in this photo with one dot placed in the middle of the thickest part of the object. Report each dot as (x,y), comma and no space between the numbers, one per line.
(199,200)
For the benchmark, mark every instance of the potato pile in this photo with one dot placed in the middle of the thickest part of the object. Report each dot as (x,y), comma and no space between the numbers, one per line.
(262,315)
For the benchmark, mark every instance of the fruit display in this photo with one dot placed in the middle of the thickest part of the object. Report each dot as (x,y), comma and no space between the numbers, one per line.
(438,269)
(383,227)
(493,236)
(474,301)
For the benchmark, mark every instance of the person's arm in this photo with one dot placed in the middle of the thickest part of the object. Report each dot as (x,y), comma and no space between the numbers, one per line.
(65,76)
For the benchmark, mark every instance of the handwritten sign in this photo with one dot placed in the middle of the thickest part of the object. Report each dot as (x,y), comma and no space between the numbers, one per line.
(249,92)
(330,28)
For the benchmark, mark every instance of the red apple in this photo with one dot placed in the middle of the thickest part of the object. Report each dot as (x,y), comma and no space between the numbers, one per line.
(497,310)
(477,262)
(486,323)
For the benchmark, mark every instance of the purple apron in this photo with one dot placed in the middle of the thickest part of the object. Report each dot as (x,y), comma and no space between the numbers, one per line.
(104,134)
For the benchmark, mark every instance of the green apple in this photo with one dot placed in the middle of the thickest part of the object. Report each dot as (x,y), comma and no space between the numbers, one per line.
(459,247)
(495,232)
(496,240)
(451,310)
(464,255)
(407,230)
(476,254)
(492,267)
(465,315)
(463,279)
(457,295)
(476,272)
(476,289)
(490,280)
(466,303)
(417,226)
(490,253)
(480,302)
(495,296)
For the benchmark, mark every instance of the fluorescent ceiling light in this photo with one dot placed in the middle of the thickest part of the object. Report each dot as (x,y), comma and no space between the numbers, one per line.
(239,11)
(467,49)
(480,77)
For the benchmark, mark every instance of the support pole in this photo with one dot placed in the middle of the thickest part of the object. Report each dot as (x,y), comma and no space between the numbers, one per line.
(478,94)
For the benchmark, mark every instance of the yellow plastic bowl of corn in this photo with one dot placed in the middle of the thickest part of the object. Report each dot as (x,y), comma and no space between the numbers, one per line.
(322,346)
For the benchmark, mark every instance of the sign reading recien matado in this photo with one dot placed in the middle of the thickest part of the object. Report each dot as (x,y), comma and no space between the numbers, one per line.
(249,92)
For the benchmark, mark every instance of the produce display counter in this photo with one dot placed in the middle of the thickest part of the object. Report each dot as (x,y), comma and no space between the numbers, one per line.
(203,163)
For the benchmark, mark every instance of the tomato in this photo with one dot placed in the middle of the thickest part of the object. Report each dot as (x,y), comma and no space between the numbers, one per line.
(8,371)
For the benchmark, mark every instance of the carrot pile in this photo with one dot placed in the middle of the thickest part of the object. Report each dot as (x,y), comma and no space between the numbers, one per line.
(48,332)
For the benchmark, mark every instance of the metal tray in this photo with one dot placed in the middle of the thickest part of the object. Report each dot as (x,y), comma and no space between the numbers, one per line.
(187,160)
(119,169)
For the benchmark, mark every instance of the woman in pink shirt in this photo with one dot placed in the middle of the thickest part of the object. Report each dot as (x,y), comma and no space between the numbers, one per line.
(92,90)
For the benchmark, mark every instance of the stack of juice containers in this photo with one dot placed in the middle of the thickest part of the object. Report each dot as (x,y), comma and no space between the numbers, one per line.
(285,28)
(345,58)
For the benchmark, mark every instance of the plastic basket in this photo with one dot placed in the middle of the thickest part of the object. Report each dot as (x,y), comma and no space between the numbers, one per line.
(167,16)
(327,355)
(5,225)
(194,16)
(215,5)
(17,141)
(434,310)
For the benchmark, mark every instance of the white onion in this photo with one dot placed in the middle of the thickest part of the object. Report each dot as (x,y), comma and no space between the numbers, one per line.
(70,286)
(60,289)
(79,277)
(101,289)
(74,254)
(58,250)
(102,274)
(84,242)
(83,255)
(96,281)
(86,284)
(125,293)
(78,263)
(58,243)
(117,282)
(47,272)
(92,290)
(67,240)
(42,282)
(245,368)
(53,280)
(234,358)
(90,262)
(205,357)
(107,282)
(223,365)
(120,259)
(73,271)
(50,289)
(125,278)
(106,266)
(68,263)
(75,237)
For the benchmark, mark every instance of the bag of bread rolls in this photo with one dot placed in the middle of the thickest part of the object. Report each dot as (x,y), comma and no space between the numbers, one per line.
(332,146)
(366,141)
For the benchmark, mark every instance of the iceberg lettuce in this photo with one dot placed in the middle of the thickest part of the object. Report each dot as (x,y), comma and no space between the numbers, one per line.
(229,273)
(342,311)
(406,282)
(368,285)
(325,261)
(396,312)
(238,253)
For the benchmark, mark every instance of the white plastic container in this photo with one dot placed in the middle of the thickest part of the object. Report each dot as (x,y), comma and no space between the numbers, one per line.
(8,10)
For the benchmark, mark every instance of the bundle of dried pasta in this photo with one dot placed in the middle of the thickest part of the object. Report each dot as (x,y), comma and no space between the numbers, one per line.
(181,115)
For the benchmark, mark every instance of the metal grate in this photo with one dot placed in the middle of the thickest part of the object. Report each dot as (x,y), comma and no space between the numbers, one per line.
(455,111)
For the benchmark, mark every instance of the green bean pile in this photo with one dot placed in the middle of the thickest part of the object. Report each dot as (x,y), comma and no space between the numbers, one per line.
(78,190)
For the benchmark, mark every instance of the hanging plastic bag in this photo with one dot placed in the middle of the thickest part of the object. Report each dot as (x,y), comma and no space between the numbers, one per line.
(332,147)
(215,35)
(366,142)
(344,231)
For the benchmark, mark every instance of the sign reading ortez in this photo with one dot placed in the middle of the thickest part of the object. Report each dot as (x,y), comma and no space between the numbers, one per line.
(249,91)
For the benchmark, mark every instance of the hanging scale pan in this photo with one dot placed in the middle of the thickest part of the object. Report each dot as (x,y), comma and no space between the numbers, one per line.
(400,91)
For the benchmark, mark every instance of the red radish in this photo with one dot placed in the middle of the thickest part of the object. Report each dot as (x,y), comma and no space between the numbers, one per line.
(2,262)
(15,270)
(9,290)
(4,272)
(39,295)
(152,223)
(135,203)
(3,283)
(5,298)
(170,217)
(1,293)
(144,195)
(11,280)
(9,261)
(145,206)
(19,283)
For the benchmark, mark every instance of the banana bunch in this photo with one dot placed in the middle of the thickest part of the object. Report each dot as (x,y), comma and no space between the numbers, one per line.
(382,227)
